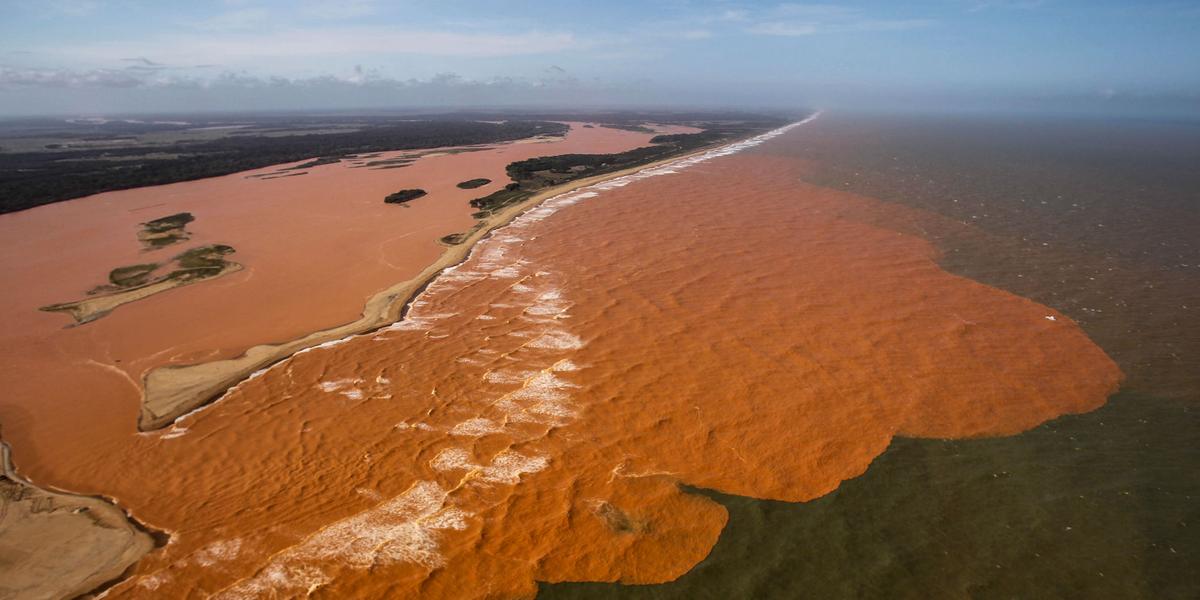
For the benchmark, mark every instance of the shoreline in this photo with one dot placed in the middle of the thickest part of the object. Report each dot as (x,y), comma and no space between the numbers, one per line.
(89,541)
(172,392)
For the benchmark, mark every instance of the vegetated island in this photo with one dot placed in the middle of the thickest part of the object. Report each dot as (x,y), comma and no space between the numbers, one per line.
(59,545)
(135,282)
(403,196)
(174,390)
(165,231)
(471,184)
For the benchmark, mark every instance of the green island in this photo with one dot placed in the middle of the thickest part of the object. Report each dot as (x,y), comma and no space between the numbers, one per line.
(471,184)
(134,282)
(165,231)
(403,196)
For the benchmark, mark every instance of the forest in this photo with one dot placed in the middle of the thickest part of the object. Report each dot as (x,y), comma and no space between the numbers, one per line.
(33,178)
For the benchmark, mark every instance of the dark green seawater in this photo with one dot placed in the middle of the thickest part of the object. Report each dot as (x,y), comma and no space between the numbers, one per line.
(1098,219)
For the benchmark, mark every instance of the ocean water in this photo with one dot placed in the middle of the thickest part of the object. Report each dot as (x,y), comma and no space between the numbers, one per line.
(744,376)
(1097,219)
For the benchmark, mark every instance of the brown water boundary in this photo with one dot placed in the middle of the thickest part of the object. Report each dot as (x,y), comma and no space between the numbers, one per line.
(170,392)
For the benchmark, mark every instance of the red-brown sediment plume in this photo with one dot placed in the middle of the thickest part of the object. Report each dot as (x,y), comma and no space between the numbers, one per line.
(727,326)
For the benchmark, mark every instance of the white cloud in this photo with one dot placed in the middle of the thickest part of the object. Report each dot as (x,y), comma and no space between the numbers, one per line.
(795,20)
(816,11)
(243,18)
(107,91)
(338,9)
(803,28)
(980,5)
(729,15)
(792,29)
(11,78)
(293,45)
(70,8)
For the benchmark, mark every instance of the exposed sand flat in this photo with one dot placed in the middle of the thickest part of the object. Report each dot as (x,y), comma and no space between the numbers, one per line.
(55,545)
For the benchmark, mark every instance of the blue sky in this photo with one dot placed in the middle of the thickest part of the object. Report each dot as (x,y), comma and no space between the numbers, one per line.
(98,56)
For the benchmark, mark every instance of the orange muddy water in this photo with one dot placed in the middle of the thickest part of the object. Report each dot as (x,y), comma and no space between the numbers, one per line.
(314,247)
(719,324)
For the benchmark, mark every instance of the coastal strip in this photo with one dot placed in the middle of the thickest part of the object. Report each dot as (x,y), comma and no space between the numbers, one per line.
(171,392)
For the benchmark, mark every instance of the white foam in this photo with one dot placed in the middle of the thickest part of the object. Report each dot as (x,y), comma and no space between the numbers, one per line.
(369,493)
(219,551)
(337,384)
(174,432)
(418,426)
(557,340)
(504,377)
(508,467)
(452,459)
(506,273)
(476,427)
(153,581)
(403,529)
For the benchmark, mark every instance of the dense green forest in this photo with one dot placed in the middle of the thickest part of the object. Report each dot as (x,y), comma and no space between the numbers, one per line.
(29,179)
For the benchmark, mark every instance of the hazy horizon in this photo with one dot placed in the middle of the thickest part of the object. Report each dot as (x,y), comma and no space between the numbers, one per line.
(135,57)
